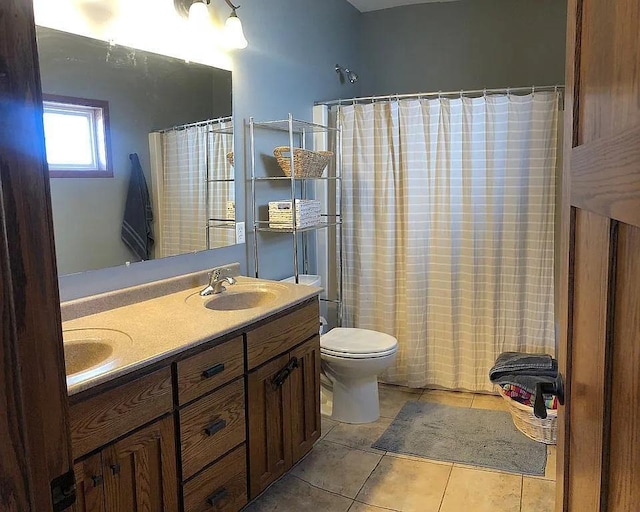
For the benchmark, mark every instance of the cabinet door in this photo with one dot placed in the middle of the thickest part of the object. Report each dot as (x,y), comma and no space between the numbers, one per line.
(269,426)
(140,471)
(89,485)
(305,398)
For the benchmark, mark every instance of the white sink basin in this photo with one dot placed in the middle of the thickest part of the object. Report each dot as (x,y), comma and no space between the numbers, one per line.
(239,297)
(89,352)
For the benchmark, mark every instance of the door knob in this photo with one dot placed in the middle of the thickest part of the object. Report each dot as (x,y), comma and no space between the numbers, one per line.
(548,388)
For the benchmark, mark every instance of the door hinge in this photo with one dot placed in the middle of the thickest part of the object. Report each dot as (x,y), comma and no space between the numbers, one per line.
(63,491)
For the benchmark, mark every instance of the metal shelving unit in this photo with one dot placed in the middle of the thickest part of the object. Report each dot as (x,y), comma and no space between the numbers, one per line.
(297,132)
(212,222)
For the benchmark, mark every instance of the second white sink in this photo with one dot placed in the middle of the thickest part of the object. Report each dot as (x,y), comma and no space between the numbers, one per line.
(239,297)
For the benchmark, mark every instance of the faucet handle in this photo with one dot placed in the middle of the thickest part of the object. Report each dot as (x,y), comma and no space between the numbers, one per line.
(214,275)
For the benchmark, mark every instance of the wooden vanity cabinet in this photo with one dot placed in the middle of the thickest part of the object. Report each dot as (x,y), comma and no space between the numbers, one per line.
(135,474)
(304,385)
(270,454)
(175,439)
(89,485)
(283,393)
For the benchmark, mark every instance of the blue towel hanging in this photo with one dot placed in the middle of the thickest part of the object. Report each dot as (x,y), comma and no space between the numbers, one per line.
(138,215)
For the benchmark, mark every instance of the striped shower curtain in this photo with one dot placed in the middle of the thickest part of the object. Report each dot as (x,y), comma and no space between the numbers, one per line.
(448,245)
(194,159)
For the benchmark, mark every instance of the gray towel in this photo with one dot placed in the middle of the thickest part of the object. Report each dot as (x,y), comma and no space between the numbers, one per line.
(523,370)
(136,225)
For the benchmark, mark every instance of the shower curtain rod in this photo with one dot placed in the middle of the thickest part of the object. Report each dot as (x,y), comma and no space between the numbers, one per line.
(199,123)
(461,93)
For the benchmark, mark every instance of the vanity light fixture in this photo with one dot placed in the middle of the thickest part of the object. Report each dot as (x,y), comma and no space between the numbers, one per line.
(198,13)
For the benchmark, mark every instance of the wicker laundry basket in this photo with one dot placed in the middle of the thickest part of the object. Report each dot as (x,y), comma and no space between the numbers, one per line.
(543,431)
(307,164)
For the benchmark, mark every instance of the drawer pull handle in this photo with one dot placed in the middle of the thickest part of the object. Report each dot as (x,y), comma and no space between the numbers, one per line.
(217,496)
(214,370)
(115,468)
(215,427)
(97,480)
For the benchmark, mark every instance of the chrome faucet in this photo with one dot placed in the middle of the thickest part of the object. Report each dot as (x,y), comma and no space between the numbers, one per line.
(216,282)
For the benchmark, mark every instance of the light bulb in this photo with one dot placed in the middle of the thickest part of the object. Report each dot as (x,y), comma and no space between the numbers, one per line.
(233,33)
(199,16)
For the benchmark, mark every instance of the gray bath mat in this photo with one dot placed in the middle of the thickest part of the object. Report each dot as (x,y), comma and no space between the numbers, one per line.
(469,436)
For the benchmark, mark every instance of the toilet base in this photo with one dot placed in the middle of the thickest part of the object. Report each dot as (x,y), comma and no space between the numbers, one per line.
(357,402)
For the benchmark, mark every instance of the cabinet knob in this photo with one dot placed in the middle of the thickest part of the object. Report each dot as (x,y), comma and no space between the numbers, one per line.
(115,468)
(97,480)
(220,494)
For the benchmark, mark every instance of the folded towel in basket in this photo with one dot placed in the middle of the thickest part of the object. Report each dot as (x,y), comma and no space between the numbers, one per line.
(529,364)
(523,370)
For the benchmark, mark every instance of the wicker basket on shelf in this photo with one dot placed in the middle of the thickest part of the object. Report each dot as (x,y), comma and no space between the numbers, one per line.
(307,164)
(543,431)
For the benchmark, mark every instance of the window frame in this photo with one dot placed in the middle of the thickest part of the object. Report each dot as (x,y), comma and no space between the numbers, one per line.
(104,169)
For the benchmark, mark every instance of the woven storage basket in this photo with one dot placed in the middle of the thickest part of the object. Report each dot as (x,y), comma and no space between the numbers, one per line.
(543,431)
(307,164)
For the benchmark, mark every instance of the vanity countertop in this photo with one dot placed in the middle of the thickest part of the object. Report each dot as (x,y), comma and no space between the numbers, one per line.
(151,330)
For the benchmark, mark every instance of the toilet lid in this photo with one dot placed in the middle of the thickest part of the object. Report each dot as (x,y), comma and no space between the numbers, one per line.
(347,342)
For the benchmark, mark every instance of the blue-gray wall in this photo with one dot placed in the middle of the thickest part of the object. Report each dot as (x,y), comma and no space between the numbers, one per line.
(293,48)
(468,44)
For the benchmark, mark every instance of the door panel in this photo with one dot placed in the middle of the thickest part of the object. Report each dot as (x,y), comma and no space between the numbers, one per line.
(305,398)
(590,298)
(35,446)
(609,80)
(269,426)
(624,471)
(600,313)
(140,471)
(89,485)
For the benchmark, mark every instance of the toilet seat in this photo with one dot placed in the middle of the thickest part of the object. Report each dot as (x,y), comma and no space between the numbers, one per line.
(346,355)
(351,343)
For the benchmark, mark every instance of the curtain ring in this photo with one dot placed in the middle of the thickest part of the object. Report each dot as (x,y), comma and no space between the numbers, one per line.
(461,93)
(484,92)
(533,89)
(440,95)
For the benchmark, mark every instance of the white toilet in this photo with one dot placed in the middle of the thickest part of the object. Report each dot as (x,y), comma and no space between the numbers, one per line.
(352,359)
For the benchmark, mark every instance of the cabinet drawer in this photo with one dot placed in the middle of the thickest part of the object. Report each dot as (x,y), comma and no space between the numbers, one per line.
(280,335)
(212,426)
(222,487)
(109,415)
(210,369)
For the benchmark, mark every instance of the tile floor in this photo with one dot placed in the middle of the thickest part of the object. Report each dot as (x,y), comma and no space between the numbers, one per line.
(343,473)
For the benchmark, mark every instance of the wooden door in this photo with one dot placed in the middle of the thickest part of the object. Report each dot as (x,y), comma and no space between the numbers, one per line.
(305,398)
(89,485)
(269,426)
(599,457)
(35,446)
(140,471)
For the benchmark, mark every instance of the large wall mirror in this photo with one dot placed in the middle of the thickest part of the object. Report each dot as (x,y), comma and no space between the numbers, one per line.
(140,152)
